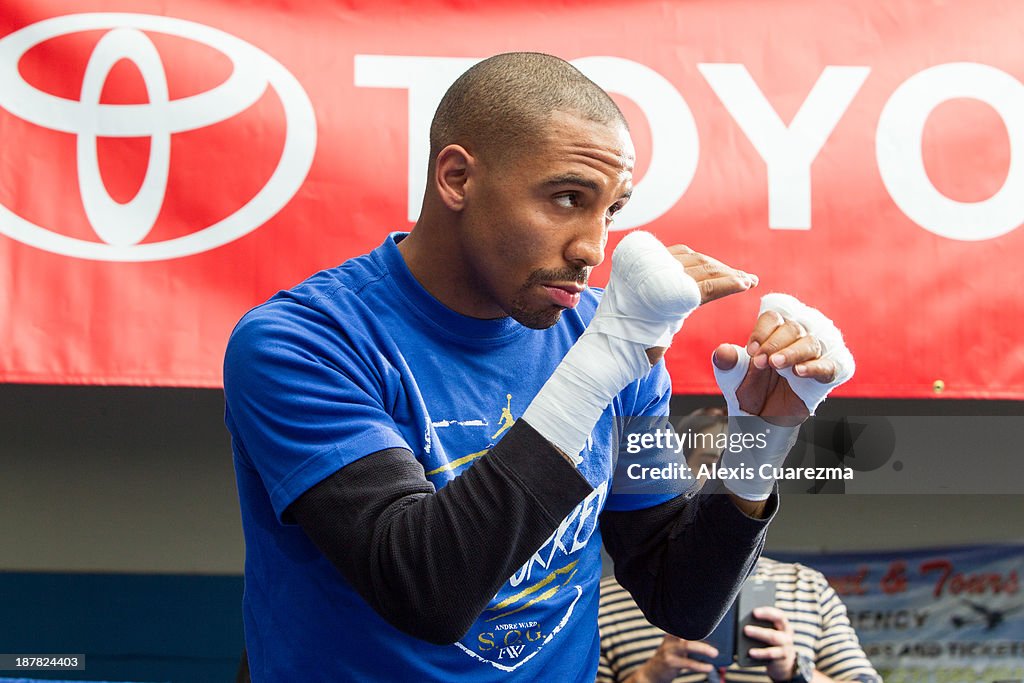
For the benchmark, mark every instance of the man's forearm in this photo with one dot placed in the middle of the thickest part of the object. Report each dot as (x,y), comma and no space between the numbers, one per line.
(381,523)
(684,561)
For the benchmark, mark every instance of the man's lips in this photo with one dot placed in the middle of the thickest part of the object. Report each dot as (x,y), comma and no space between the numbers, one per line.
(564,295)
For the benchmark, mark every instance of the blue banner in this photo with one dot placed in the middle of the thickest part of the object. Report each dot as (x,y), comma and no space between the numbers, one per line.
(941,615)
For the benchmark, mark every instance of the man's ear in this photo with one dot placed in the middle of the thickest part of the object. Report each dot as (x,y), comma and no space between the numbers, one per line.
(452,172)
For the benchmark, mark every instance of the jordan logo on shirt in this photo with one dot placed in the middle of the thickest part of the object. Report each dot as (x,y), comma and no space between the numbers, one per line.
(506,418)
(505,422)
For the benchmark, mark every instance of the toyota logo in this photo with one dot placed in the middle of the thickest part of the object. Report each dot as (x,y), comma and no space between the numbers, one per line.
(121,227)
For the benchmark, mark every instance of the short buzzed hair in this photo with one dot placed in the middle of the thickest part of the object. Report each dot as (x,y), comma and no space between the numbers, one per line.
(501,105)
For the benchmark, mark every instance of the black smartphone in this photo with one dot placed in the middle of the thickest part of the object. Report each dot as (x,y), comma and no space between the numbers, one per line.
(755,593)
(724,640)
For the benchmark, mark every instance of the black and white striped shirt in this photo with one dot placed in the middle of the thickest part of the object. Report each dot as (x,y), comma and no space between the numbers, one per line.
(821,629)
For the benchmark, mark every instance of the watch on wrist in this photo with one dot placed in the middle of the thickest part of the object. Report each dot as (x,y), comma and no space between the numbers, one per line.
(803,670)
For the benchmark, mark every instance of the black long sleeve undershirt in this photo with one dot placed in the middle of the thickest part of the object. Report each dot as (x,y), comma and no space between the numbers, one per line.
(684,561)
(430,561)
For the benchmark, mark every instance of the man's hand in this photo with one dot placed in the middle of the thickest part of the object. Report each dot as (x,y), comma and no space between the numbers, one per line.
(774,344)
(779,656)
(794,357)
(714,279)
(784,354)
(671,658)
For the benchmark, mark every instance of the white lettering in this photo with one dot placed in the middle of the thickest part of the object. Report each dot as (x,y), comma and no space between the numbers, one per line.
(789,151)
(580,523)
(426,79)
(512,652)
(901,164)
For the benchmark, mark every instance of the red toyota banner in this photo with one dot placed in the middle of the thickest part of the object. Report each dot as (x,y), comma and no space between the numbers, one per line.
(168,165)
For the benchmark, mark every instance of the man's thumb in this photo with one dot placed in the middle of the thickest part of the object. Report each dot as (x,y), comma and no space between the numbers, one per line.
(725,357)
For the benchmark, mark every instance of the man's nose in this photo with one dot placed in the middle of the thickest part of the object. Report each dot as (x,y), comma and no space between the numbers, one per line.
(587,249)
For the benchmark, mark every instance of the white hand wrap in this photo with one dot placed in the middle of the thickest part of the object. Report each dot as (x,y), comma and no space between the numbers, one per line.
(648,296)
(729,380)
(778,440)
(811,391)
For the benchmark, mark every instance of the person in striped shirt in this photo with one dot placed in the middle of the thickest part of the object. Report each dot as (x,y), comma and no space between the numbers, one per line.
(810,624)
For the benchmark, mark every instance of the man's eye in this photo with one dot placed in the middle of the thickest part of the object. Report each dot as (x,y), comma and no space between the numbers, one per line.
(568,201)
(612,210)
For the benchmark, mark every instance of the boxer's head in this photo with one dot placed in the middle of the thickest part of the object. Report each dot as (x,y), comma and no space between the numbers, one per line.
(529,161)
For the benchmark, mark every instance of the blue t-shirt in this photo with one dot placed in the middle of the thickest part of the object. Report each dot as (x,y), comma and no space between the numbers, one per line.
(361,358)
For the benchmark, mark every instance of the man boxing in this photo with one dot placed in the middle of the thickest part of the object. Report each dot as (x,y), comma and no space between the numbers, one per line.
(396,527)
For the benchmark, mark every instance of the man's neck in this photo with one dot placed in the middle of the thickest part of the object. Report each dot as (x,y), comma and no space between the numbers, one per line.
(435,258)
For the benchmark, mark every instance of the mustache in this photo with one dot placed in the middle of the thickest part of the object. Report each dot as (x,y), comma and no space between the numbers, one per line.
(578,275)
